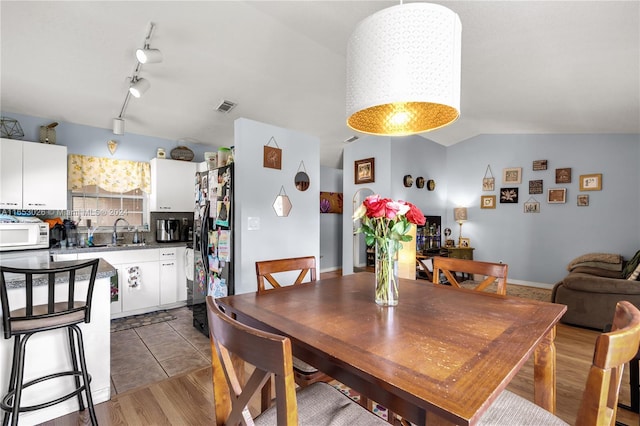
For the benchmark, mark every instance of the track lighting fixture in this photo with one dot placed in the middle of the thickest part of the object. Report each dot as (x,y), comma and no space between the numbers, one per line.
(138,85)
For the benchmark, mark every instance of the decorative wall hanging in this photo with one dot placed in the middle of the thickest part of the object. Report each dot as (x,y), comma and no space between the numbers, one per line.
(509,195)
(301,180)
(364,171)
(407,181)
(48,133)
(591,182)
(487,201)
(420,182)
(512,175)
(282,204)
(563,175)
(557,195)
(10,128)
(583,200)
(112,146)
(488,181)
(540,165)
(535,186)
(272,157)
(331,202)
(532,206)
(431,184)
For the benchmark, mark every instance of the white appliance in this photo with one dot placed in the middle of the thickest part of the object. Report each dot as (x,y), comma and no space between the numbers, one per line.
(24,236)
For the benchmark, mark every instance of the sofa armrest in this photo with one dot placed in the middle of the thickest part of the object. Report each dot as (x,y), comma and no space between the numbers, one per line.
(594,284)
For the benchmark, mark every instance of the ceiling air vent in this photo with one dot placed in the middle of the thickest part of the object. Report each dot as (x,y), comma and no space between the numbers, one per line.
(225,106)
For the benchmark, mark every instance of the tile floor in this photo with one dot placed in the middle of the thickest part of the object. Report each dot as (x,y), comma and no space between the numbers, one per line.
(147,354)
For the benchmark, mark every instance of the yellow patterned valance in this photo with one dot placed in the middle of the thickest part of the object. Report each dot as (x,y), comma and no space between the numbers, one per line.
(109,174)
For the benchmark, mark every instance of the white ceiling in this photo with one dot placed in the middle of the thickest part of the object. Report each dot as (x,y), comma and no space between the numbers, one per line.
(527,66)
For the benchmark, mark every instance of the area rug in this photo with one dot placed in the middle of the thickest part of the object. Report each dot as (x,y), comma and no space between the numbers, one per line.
(535,293)
(134,321)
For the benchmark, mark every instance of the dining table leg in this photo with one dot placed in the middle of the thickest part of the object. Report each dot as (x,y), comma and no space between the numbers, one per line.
(544,372)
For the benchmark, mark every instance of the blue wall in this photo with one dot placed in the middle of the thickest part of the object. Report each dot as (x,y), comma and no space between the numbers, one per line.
(87,140)
(538,246)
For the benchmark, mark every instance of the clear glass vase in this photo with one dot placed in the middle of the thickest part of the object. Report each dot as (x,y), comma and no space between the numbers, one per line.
(387,273)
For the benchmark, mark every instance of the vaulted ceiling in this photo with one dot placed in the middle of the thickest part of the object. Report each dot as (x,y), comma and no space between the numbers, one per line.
(527,66)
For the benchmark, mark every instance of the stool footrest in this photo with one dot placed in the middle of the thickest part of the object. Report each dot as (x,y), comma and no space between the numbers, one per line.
(6,405)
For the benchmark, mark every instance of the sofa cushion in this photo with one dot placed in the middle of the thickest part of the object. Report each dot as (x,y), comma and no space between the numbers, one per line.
(607,273)
(593,284)
(601,265)
(595,257)
(631,265)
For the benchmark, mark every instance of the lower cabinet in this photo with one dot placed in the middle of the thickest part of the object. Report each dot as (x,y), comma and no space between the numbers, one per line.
(148,279)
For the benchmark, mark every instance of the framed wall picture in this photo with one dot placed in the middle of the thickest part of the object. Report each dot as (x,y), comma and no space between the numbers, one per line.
(535,186)
(583,200)
(465,242)
(540,165)
(487,201)
(532,207)
(591,182)
(557,195)
(509,195)
(563,175)
(364,171)
(512,175)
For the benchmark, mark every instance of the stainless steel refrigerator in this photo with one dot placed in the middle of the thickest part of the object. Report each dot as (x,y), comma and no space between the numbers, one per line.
(212,241)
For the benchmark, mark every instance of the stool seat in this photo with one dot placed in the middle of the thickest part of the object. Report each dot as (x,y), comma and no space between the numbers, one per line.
(63,307)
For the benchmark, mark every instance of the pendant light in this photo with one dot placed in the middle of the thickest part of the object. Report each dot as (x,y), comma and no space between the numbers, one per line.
(403,70)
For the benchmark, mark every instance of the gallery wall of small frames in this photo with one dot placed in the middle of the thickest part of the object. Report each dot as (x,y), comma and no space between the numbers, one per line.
(555,190)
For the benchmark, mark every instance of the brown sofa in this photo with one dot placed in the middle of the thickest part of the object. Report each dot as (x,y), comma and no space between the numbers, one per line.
(591,294)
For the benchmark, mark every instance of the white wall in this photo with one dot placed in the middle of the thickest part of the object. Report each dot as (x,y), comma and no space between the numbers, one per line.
(256,188)
(330,223)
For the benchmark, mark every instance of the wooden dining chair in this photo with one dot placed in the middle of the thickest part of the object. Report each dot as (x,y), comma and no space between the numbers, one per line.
(600,398)
(493,272)
(317,404)
(266,269)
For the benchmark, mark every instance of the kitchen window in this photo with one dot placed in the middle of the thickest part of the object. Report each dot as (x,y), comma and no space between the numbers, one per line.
(104,207)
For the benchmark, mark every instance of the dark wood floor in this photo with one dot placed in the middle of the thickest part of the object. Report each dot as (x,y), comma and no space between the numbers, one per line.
(188,399)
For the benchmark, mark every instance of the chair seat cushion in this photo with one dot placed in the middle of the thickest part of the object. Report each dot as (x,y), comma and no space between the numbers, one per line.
(303,367)
(322,404)
(20,323)
(510,409)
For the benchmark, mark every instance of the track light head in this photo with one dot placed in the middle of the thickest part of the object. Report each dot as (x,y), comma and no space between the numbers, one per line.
(148,56)
(139,86)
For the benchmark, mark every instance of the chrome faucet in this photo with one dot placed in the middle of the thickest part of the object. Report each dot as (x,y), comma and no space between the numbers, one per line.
(114,236)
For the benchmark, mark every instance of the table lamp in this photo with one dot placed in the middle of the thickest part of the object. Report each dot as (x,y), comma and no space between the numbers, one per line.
(460,216)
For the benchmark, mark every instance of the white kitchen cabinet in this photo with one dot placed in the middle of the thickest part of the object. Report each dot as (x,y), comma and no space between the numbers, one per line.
(181,262)
(168,275)
(172,185)
(33,175)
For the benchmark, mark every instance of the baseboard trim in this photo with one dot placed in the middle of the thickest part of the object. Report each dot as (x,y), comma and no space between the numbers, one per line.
(530,284)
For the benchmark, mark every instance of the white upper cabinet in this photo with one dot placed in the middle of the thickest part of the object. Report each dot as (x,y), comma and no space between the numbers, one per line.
(172,185)
(32,175)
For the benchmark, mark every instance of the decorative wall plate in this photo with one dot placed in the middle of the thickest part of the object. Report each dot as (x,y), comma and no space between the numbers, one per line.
(431,184)
(420,182)
(407,181)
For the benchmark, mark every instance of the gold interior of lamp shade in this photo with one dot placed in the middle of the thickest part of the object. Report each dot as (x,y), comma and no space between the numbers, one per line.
(404,118)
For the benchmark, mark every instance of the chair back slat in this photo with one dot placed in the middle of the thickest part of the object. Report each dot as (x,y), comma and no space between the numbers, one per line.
(493,272)
(265,270)
(614,349)
(268,352)
(36,308)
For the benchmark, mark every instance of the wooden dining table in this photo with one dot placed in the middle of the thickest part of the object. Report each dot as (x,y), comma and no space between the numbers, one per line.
(441,354)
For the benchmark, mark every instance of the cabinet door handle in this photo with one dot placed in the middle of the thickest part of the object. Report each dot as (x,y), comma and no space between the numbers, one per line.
(168,264)
(36,204)
(9,204)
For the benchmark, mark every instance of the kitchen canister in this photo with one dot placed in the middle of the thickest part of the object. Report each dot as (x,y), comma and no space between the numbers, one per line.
(212,159)
(223,156)
(160,153)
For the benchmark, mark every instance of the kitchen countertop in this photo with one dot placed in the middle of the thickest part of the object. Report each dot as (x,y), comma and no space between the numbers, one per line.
(105,270)
(109,247)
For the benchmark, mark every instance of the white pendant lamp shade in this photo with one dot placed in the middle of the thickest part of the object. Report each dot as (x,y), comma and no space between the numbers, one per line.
(403,70)
(139,86)
(148,56)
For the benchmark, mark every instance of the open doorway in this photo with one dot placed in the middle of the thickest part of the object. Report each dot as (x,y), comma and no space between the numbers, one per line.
(359,245)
